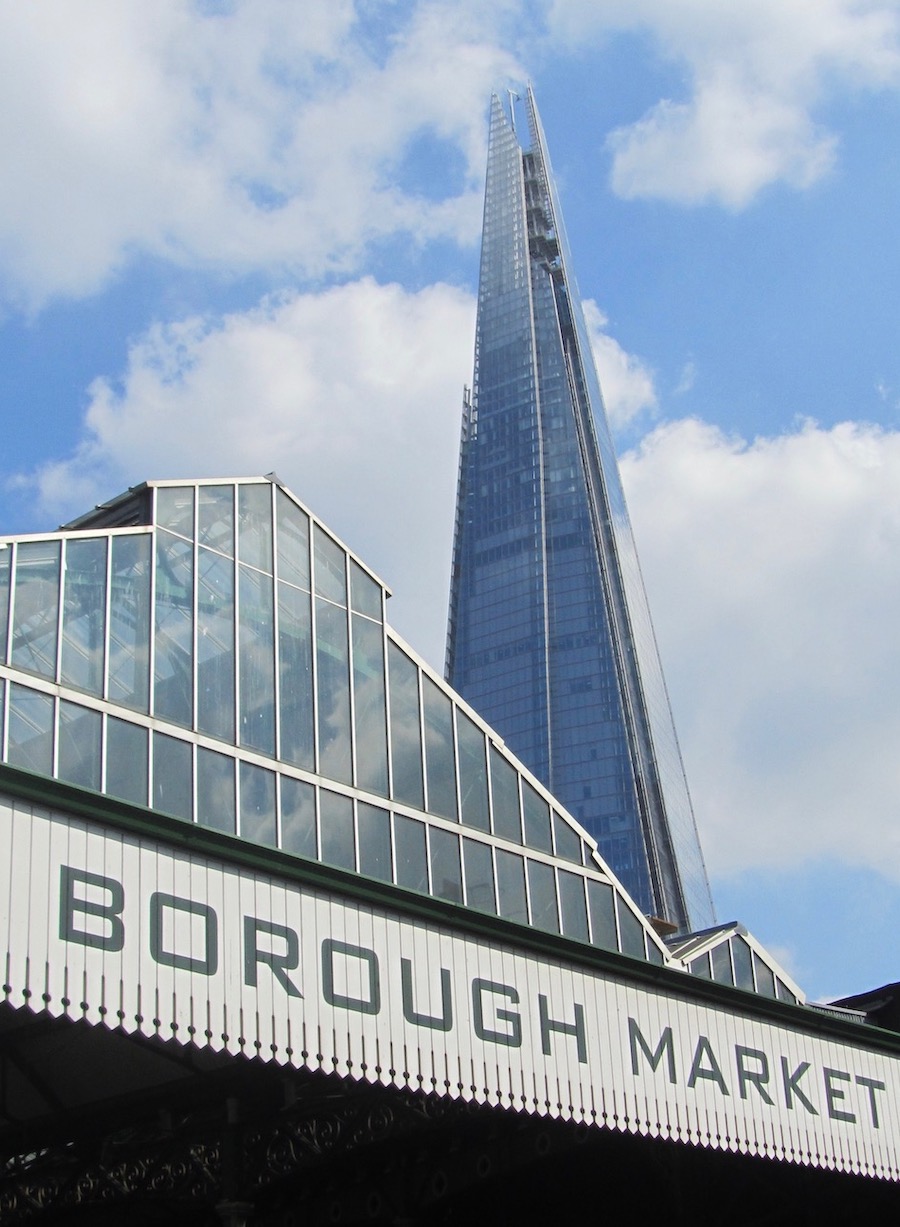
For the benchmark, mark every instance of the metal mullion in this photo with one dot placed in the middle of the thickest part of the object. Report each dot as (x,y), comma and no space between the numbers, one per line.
(107,625)
(11,608)
(351,681)
(276,622)
(195,598)
(60,609)
(386,642)
(151,662)
(423,757)
(314,645)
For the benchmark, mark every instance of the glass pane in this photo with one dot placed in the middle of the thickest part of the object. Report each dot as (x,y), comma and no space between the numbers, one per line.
(472,773)
(84,614)
(215,518)
(602,905)
(572,905)
(215,645)
(334,691)
(654,954)
(30,730)
(743,964)
(175,509)
(439,763)
(173,689)
(298,818)
(446,874)
(5,556)
(700,967)
(511,886)
(172,776)
(127,766)
(722,971)
(258,804)
(256,636)
(406,744)
(765,977)
(631,931)
(542,889)
(369,705)
(293,541)
(365,594)
(215,790)
(479,876)
(568,842)
(409,846)
(295,676)
(374,826)
(536,813)
(505,796)
(36,607)
(336,818)
(129,622)
(255,526)
(78,758)
(331,577)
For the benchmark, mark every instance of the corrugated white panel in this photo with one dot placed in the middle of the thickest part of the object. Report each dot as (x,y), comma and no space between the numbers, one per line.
(131,933)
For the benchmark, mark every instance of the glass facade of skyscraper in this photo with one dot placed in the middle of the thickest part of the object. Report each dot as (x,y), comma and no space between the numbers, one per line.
(550,635)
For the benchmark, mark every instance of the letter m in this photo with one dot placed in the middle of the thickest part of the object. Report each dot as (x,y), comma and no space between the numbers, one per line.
(639,1044)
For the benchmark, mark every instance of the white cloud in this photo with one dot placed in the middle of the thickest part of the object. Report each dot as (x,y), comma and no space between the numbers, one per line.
(627,384)
(352,396)
(756,74)
(771,569)
(265,134)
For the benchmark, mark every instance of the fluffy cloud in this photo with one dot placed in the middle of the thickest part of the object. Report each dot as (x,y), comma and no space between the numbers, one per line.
(627,383)
(756,73)
(771,570)
(352,395)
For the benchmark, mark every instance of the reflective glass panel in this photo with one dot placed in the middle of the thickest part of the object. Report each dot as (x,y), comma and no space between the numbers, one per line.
(505,798)
(374,832)
(409,848)
(172,776)
(439,762)
(602,906)
(78,753)
(256,638)
(258,804)
(293,541)
(331,576)
(542,889)
(406,743)
(298,817)
(365,594)
(332,666)
(215,518)
(36,607)
(127,760)
(572,905)
(336,821)
(129,622)
(215,645)
(511,886)
(174,669)
(255,526)
(654,954)
(631,931)
(369,705)
(536,813)
(446,874)
(295,676)
(30,730)
(765,977)
(84,614)
(215,790)
(175,509)
(479,865)
(568,843)
(700,967)
(5,556)
(720,957)
(472,773)
(743,964)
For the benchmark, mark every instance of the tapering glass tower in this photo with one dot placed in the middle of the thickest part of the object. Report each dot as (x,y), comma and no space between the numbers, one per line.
(549,634)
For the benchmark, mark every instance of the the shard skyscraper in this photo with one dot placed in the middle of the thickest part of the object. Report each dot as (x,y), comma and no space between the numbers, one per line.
(549,635)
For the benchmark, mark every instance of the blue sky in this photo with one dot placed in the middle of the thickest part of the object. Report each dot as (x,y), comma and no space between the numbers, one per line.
(238,237)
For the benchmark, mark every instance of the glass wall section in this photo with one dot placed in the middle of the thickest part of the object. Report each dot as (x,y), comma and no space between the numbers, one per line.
(127,760)
(36,607)
(473,790)
(215,644)
(30,730)
(215,519)
(479,867)
(84,615)
(440,773)
(258,805)
(5,559)
(175,510)
(336,826)
(505,798)
(331,569)
(78,749)
(298,817)
(256,639)
(542,890)
(720,957)
(765,977)
(332,672)
(446,873)
(536,813)
(174,624)
(173,784)
(293,542)
(406,737)
(631,933)
(511,886)
(365,594)
(129,622)
(566,839)
(369,704)
(602,906)
(374,833)
(572,906)
(411,859)
(255,526)
(743,963)
(295,687)
(215,791)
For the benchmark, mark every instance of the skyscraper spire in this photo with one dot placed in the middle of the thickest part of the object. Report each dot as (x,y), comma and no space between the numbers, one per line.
(549,634)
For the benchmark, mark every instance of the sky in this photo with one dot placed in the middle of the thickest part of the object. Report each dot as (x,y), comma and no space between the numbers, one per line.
(242,237)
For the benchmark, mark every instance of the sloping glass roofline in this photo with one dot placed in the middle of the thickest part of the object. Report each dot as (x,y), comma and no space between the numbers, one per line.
(210,650)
